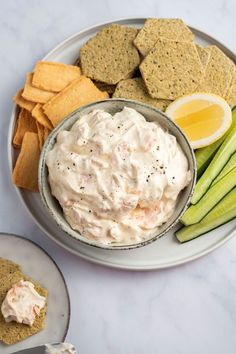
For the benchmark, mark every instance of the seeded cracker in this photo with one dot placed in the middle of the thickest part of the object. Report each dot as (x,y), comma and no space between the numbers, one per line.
(25,173)
(171,69)
(80,92)
(135,89)
(40,128)
(25,123)
(204,54)
(218,73)
(110,56)
(35,94)
(53,76)
(22,102)
(155,28)
(7,267)
(14,332)
(230,97)
(41,117)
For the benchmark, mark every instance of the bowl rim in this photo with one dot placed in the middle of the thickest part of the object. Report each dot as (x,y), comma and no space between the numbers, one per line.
(65,227)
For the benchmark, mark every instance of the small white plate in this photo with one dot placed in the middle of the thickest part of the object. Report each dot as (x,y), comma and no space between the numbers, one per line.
(36,263)
(166,251)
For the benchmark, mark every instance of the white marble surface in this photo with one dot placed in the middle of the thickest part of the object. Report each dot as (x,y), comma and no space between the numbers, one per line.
(188,309)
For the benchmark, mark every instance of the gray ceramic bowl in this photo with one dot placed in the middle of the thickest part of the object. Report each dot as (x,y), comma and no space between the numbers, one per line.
(112,106)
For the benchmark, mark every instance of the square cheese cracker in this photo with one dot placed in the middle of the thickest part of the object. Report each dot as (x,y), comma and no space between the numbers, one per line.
(40,128)
(22,102)
(25,173)
(51,76)
(35,94)
(79,93)
(40,116)
(25,123)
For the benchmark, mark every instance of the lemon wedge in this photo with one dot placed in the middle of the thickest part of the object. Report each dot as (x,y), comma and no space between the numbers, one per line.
(203,117)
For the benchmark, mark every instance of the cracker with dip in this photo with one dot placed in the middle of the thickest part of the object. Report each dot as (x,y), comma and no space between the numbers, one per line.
(23,304)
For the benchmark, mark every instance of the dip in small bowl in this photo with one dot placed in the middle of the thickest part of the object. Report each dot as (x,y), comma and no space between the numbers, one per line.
(116,174)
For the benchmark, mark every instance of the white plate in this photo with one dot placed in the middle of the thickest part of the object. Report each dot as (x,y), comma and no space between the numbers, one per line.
(163,253)
(36,263)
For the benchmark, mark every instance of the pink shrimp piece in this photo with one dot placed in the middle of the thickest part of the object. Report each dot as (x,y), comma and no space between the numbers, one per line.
(68,203)
(148,142)
(146,217)
(124,150)
(36,310)
(86,177)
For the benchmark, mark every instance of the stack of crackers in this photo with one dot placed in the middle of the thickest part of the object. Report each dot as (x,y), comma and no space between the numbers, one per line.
(12,332)
(170,63)
(51,92)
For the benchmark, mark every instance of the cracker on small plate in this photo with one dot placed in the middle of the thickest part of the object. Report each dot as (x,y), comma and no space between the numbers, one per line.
(40,116)
(51,76)
(25,173)
(25,123)
(155,28)
(135,89)
(80,92)
(110,55)
(171,69)
(35,94)
(22,102)
(13,332)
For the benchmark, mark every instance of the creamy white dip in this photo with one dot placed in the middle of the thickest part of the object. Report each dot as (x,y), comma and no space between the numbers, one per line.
(22,303)
(117,178)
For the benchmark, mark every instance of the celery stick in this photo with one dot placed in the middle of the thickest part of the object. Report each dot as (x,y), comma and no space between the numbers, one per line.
(214,194)
(205,154)
(220,159)
(231,164)
(223,212)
